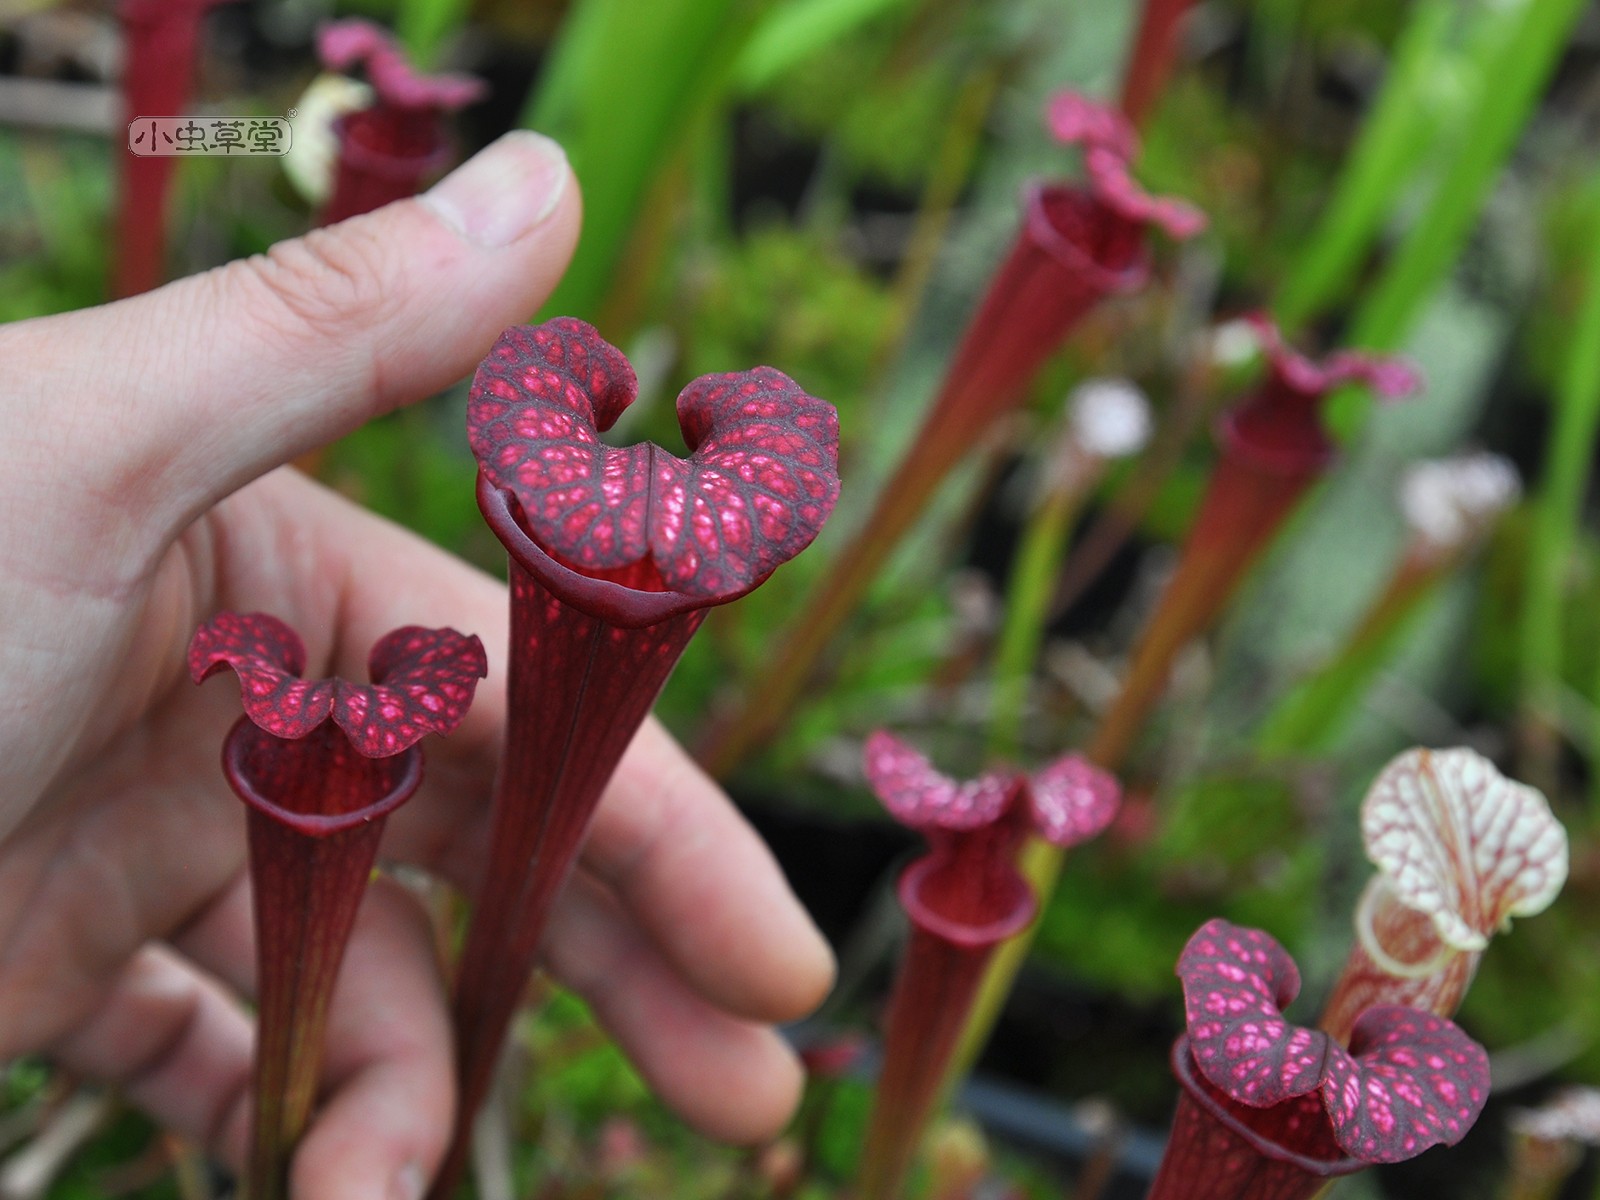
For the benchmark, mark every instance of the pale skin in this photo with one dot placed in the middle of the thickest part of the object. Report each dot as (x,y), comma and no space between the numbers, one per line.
(142,488)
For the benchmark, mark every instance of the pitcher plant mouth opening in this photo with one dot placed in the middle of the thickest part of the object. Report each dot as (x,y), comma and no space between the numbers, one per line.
(1072,226)
(1326,1160)
(319,764)
(760,478)
(617,553)
(1279,426)
(253,760)
(1099,228)
(932,893)
(964,897)
(1271,1110)
(391,148)
(1110,146)
(626,603)
(401,163)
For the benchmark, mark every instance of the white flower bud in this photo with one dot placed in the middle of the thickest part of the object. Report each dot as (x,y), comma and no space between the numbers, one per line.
(1449,502)
(1108,418)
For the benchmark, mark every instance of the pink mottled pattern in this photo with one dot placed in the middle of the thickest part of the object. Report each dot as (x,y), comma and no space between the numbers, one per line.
(924,798)
(1067,802)
(344,45)
(1236,983)
(760,479)
(1389,378)
(1109,146)
(423,681)
(1073,800)
(268,657)
(1411,1080)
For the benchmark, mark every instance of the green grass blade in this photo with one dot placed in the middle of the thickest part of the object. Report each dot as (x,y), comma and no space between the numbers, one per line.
(424,25)
(1380,166)
(1313,717)
(556,101)
(1515,73)
(797,30)
(628,80)
(1558,505)
(1027,613)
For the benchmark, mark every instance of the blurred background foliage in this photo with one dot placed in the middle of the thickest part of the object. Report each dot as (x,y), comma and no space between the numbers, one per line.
(825,185)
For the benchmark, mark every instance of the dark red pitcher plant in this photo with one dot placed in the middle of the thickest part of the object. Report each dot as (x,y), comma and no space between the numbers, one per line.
(161,44)
(616,555)
(390,149)
(1271,1110)
(964,897)
(320,764)
(1077,243)
(1274,447)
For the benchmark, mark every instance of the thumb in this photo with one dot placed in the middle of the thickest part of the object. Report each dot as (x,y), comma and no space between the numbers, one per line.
(180,396)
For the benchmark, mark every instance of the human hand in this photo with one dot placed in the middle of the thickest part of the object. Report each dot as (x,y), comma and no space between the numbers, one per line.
(141,491)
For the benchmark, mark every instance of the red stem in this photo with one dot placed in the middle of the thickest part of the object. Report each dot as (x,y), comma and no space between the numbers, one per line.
(588,659)
(1150,64)
(1248,499)
(317,811)
(1213,1154)
(939,977)
(1070,253)
(1274,447)
(161,37)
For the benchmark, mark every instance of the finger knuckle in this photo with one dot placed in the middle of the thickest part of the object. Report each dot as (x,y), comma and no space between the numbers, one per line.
(330,284)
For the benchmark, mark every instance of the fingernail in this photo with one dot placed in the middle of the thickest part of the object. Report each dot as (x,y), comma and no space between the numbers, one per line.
(502,192)
(408,1183)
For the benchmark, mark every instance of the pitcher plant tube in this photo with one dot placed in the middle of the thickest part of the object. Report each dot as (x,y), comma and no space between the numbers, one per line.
(1272,1111)
(1460,850)
(390,149)
(964,897)
(161,40)
(320,763)
(1450,506)
(1273,448)
(616,555)
(1077,244)
(1155,47)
